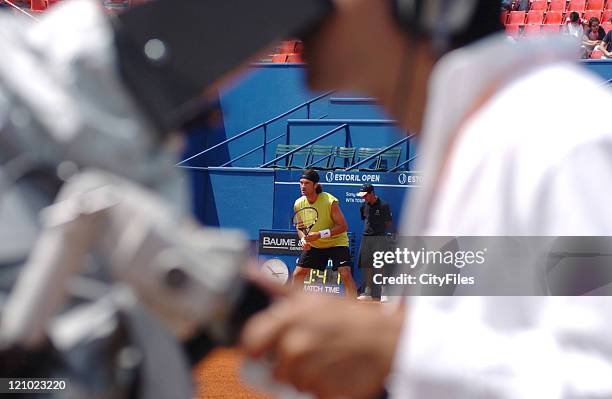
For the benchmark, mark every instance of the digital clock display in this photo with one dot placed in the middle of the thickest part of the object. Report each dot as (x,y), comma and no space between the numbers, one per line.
(323,277)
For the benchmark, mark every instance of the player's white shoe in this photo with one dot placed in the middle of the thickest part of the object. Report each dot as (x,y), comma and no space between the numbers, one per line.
(384,299)
(364,297)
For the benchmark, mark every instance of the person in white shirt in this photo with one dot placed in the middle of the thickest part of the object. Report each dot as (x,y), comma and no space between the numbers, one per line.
(487,171)
(574,26)
(574,29)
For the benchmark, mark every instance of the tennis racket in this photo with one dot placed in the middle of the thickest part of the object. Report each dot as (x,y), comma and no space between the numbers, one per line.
(305,219)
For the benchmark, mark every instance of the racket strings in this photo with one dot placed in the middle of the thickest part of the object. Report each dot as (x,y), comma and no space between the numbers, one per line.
(305,218)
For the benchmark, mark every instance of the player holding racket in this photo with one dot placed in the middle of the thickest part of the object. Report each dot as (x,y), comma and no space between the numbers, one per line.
(323,233)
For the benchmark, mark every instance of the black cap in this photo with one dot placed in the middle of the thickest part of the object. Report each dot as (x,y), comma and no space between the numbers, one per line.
(366,188)
(311,175)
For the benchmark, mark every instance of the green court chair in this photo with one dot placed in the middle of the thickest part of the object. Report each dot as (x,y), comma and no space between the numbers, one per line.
(282,149)
(321,157)
(299,159)
(292,161)
(364,153)
(389,159)
(344,154)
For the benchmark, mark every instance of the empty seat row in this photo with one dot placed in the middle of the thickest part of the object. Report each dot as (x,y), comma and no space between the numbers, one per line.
(327,157)
(534,30)
(550,17)
(515,30)
(288,51)
(290,47)
(572,5)
(287,58)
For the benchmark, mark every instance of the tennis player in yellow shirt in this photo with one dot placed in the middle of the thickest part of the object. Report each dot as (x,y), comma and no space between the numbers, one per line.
(327,238)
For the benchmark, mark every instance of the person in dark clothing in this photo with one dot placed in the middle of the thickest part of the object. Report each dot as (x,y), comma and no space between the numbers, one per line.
(377,218)
(523,5)
(606,45)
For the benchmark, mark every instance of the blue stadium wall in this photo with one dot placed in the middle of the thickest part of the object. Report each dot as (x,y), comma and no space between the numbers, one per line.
(246,196)
(250,198)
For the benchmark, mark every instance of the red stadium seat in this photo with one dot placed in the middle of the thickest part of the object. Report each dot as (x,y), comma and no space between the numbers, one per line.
(605,17)
(608,5)
(589,14)
(551,29)
(595,5)
(279,58)
(504,17)
(553,18)
(512,30)
(539,5)
(535,17)
(596,54)
(299,47)
(294,58)
(287,47)
(557,5)
(517,18)
(532,30)
(576,5)
(38,5)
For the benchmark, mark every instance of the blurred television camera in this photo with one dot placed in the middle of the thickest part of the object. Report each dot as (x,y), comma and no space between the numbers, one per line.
(105,280)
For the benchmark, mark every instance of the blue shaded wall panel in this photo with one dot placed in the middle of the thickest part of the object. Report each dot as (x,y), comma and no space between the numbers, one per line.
(243,199)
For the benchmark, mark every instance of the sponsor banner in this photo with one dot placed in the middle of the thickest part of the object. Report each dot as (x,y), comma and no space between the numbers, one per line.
(386,179)
(493,266)
(279,243)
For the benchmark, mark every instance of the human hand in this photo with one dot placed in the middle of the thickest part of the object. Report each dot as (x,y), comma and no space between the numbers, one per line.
(305,245)
(312,237)
(316,341)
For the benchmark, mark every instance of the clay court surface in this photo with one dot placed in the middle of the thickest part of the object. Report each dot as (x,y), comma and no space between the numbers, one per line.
(217,377)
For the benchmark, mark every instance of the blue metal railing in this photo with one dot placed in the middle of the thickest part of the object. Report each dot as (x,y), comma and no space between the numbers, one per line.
(353,100)
(379,153)
(406,162)
(320,160)
(263,125)
(311,142)
(350,122)
(309,122)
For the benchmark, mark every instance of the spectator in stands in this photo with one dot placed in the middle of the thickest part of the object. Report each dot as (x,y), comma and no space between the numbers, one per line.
(574,26)
(574,29)
(593,35)
(606,45)
(521,5)
(507,5)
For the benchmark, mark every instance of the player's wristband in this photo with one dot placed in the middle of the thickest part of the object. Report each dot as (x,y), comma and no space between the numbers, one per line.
(325,233)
